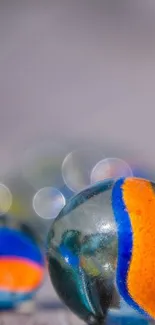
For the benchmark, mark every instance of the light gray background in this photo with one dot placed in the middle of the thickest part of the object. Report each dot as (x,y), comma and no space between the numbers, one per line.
(75,70)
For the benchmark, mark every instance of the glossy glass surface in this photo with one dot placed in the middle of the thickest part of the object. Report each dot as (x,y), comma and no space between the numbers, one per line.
(82,251)
(82,256)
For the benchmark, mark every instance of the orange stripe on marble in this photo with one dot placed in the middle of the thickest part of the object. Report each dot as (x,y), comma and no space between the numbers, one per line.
(139,199)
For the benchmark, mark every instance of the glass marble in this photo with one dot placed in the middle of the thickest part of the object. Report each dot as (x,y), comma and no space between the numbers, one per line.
(82,252)
(22,268)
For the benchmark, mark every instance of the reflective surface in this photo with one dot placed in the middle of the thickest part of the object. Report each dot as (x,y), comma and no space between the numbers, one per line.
(82,253)
(95,261)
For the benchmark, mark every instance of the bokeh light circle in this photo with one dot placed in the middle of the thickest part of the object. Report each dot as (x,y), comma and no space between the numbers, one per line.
(5,199)
(48,202)
(77,166)
(110,168)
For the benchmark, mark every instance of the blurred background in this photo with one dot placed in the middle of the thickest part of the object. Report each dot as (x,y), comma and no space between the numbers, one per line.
(73,74)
